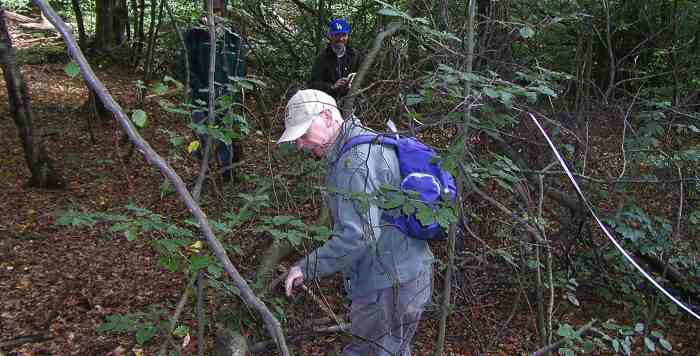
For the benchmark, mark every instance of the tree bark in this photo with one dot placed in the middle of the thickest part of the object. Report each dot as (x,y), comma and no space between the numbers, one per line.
(44,174)
(81,25)
(104,23)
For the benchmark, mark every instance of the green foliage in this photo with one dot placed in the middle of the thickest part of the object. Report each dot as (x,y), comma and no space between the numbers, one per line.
(292,229)
(139,118)
(622,337)
(611,336)
(139,324)
(72,69)
(644,233)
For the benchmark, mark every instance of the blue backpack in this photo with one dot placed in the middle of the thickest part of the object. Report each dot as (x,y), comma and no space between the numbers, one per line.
(420,173)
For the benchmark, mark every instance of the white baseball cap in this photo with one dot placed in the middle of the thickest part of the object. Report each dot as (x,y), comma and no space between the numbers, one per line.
(302,109)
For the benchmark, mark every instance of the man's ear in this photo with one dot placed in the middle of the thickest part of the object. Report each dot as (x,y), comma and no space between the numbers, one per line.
(327,117)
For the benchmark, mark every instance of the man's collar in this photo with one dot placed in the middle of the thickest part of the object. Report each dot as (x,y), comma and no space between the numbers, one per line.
(350,128)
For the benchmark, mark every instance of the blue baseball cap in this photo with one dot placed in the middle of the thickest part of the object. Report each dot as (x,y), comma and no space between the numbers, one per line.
(338,26)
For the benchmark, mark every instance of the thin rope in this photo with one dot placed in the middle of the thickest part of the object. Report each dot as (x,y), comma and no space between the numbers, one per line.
(602,226)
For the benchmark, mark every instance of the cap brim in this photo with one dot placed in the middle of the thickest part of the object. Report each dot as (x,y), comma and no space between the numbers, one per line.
(294,132)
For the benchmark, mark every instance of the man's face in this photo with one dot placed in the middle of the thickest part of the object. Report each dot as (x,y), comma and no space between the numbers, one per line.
(319,136)
(338,38)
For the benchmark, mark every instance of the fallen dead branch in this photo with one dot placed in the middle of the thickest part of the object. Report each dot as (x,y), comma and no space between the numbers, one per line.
(17,17)
(21,340)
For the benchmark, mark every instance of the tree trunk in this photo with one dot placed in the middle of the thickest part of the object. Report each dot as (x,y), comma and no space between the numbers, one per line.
(135,23)
(104,23)
(80,22)
(141,36)
(120,21)
(44,175)
(127,20)
(152,36)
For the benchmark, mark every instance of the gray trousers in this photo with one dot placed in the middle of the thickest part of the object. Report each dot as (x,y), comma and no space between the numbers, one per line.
(384,321)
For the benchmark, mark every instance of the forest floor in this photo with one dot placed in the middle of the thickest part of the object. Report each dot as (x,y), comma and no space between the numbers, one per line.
(58,284)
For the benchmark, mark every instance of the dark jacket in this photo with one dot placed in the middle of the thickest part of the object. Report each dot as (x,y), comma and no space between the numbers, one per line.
(328,68)
(227,58)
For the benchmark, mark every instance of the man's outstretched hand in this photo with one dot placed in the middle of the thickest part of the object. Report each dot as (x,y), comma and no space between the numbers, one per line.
(341,83)
(295,278)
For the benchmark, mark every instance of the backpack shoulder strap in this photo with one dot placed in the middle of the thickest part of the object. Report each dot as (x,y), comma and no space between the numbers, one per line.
(361,139)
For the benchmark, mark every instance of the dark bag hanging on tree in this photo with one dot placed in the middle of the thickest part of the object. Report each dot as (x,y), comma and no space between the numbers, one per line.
(421,175)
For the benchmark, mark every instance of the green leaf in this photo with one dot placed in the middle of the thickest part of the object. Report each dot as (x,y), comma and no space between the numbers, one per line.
(491,93)
(145,334)
(627,345)
(215,270)
(649,343)
(72,69)
(413,99)
(507,99)
(572,298)
(159,88)
(665,344)
(389,12)
(616,345)
(526,32)
(445,216)
(564,351)
(118,324)
(425,214)
(294,238)
(566,330)
(181,331)
(140,118)
(132,234)
(282,219)
(169,262)
(198,262)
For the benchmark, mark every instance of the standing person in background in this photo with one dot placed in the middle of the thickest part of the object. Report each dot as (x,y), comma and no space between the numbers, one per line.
(334,65)
(230,62)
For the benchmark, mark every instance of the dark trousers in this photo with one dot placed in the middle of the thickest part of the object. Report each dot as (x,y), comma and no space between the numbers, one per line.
(223,152)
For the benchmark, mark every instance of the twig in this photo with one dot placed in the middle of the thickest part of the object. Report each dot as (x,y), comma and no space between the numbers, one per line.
(21,340)
(554,346)
(176,316)
(349,106)
(267,345)
(201,316)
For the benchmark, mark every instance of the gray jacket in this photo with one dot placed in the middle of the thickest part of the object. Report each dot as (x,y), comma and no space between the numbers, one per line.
(371,254)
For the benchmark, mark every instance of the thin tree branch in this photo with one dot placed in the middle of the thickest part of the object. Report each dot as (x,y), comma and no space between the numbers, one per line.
(349,106)
(555,346)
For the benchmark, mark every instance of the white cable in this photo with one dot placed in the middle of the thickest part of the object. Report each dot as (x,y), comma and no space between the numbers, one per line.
(602,226)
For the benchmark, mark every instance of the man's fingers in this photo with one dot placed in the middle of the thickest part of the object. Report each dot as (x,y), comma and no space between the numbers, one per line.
(294,279)
(288,286)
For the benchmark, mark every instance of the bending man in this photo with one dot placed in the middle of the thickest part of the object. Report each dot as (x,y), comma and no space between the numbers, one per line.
(389,274)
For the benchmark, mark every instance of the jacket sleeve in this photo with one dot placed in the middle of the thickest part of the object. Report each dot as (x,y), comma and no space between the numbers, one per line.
(317,80)
(192,49)
(356,226)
